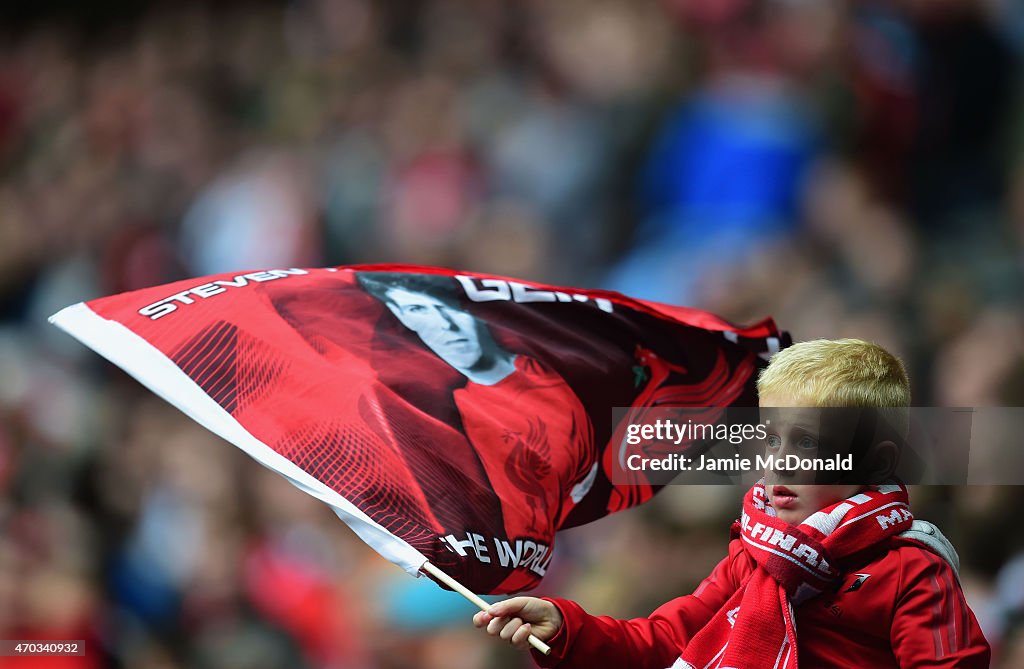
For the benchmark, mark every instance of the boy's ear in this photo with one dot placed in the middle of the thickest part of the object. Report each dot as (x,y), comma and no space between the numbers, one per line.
(880,462)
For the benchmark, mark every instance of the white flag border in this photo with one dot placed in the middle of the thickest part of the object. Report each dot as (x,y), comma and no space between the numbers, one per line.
(156,371)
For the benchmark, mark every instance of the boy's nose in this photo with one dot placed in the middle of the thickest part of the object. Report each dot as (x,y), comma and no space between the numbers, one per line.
(782,473)
(786,474)
(779,469)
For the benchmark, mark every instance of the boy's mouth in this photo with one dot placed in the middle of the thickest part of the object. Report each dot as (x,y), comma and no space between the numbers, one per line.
(783,497)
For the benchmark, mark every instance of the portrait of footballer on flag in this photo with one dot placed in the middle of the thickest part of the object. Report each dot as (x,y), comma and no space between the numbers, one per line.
(496,334)
(499,389)
(461,412)
(512,408)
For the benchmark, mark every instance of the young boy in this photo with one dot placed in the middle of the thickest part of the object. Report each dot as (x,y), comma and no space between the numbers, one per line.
(830,575)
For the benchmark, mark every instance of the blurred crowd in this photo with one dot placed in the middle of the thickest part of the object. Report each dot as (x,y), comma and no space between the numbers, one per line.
(850,167)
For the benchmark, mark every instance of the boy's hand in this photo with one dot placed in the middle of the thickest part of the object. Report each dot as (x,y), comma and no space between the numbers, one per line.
(515,619)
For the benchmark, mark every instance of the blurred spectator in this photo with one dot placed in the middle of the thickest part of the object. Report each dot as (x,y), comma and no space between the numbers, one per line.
(852,168)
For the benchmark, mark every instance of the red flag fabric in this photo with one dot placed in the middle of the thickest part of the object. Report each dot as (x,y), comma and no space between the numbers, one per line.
(455,417)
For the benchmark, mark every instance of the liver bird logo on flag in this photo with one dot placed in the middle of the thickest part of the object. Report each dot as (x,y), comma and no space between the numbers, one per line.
(455,421)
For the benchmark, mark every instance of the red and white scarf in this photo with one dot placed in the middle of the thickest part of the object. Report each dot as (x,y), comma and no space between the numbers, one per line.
(756,627)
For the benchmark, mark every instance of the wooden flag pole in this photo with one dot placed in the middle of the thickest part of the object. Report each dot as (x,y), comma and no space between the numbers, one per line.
(471,596)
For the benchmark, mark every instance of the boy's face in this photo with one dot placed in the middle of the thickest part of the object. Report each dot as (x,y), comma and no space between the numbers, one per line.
(798,432)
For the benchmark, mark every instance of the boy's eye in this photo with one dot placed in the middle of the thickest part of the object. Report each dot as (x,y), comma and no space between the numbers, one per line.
(807,443)
(773,441)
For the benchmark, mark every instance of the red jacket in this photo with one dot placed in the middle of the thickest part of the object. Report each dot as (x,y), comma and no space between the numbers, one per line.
(904,608)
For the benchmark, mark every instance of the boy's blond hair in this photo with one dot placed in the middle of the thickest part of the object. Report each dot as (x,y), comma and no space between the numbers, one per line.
(840,373)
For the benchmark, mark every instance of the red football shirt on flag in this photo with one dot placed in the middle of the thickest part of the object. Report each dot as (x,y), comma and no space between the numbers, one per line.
(455,417)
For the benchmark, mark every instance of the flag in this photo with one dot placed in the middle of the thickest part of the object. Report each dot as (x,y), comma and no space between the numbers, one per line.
(455,417)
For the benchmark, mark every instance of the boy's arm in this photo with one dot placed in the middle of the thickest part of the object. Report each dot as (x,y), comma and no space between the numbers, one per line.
(599,641)
(932,624)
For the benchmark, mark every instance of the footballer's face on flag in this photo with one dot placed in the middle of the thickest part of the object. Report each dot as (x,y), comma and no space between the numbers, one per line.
(451,333)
